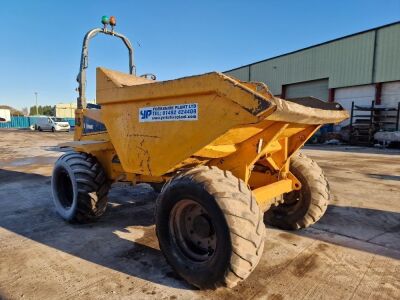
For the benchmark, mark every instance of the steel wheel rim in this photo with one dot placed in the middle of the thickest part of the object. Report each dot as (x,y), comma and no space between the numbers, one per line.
(192,230)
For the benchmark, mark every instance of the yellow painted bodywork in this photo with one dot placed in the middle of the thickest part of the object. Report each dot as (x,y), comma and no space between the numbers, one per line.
(233,131)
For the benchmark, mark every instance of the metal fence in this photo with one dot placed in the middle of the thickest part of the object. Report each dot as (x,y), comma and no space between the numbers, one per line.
(26,122)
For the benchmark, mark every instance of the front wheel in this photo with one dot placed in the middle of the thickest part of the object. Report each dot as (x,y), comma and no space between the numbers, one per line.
(209,227)
(52,129)
(304,207)
(80,187)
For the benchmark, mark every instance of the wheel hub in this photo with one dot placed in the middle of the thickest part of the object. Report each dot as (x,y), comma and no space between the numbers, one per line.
(202,226)
(192,230)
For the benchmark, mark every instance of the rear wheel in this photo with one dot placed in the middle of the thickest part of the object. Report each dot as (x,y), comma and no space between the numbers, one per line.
(40,128)
(80,187)
(209,227)
(305,207)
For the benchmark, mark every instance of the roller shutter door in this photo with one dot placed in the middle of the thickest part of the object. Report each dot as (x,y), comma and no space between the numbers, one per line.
(316,88)
(361,95)
(391,94)
(390,98)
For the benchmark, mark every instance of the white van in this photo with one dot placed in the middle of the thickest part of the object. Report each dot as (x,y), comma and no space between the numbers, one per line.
(52,123)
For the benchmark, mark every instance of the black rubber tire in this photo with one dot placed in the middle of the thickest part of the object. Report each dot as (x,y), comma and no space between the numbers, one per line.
(157,186)
(314,197)
(237,221)
(80,187)
(52,129)
(40,129)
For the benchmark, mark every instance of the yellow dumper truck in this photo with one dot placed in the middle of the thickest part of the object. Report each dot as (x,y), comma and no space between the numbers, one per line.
(224,151)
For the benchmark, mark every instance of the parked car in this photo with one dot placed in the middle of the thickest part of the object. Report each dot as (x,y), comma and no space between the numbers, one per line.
(52,123)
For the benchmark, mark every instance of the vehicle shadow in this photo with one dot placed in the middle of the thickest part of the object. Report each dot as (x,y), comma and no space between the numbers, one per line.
(384,176)
(123,239)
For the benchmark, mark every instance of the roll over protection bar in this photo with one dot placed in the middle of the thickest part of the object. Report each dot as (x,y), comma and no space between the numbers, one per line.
(81,78)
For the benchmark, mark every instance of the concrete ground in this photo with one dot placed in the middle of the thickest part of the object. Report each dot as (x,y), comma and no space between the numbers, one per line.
(353,252)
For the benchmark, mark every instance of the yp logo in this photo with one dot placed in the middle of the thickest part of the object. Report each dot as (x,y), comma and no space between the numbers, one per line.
(145,114)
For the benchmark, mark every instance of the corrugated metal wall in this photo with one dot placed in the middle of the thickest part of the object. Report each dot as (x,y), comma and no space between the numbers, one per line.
(241,73)
(346,62)
(16,122)
(71,121)
(387,67)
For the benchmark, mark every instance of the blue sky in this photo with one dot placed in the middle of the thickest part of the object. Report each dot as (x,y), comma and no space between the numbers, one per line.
(41,40)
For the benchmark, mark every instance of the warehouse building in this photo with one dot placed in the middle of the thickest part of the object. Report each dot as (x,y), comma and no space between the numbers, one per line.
(361,67)
(65,110)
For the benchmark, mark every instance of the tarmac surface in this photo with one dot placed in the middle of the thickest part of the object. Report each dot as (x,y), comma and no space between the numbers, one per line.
(353,252)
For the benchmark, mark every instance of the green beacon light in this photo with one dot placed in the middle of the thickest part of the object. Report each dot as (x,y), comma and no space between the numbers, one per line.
(105,20)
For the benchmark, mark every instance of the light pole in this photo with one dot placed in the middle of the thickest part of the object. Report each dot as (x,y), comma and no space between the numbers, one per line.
(37,112)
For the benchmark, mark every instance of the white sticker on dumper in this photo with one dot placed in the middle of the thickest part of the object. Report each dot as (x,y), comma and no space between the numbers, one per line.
(176,112)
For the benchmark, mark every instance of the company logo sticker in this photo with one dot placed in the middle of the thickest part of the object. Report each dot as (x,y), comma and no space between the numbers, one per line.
(176,112)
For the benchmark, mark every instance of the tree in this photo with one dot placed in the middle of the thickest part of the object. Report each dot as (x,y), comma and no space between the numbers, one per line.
(46,110)
(32,110)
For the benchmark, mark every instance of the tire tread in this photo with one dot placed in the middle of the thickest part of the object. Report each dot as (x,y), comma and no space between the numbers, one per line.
(92,186)
(319,190)
(242,214)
